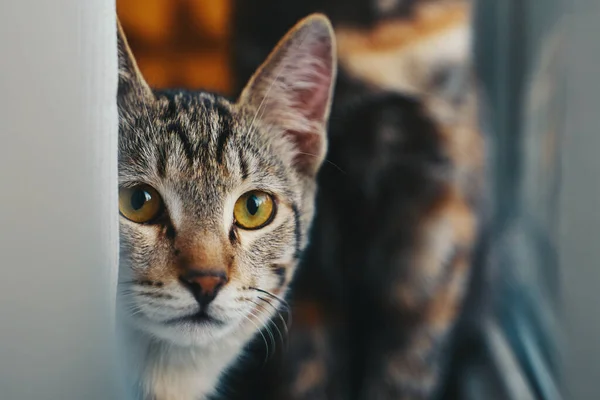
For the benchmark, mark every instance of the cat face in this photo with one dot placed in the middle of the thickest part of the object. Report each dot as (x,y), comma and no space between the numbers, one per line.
(216,198)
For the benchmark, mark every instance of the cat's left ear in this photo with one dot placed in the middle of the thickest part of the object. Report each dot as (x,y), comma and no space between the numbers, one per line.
(132,84)
(292,90)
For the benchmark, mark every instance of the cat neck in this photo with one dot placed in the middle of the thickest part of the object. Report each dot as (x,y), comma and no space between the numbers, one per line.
(161,370)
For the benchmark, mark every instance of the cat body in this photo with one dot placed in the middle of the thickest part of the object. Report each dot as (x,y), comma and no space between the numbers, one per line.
(382,286)
(216,199)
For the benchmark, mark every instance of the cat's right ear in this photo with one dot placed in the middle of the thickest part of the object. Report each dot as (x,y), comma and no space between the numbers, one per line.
(132,84)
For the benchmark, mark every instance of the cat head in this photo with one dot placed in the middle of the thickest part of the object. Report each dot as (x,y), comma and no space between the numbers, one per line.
(216,197)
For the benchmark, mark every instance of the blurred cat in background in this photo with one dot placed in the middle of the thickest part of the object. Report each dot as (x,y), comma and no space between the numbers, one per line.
(382,290)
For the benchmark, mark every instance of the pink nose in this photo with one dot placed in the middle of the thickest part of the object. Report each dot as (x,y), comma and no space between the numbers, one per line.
(204,285)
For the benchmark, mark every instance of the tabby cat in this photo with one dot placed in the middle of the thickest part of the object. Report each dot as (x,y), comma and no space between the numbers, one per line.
(381,290)
(216,199)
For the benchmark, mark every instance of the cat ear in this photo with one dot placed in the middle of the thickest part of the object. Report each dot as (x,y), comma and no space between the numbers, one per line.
(292,90)
(131,81)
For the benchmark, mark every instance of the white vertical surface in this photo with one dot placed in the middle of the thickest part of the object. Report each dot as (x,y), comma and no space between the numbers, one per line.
(58,215)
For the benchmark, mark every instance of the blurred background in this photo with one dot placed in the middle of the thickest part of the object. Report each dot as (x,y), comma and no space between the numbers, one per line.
(533,225)
(181,43)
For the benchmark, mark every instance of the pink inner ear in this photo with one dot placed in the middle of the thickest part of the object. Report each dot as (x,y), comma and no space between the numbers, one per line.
(312,102)
(310,148)
(315,101)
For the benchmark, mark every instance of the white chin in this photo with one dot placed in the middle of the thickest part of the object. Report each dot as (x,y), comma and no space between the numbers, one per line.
(187,333)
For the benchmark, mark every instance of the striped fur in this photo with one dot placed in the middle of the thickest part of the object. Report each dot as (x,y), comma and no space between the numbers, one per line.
(201,152)
(383,282)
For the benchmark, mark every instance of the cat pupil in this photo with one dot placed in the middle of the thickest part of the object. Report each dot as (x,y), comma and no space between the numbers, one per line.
(139,198)
(252,204)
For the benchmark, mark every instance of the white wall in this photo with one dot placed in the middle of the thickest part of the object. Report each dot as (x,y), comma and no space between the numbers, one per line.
(58,216)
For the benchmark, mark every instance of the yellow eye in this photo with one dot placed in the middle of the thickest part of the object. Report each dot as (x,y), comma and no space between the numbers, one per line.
(254,210)
(140,203)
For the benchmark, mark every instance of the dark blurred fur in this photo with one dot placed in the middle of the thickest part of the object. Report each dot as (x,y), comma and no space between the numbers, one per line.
(382,286)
